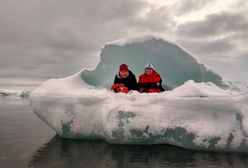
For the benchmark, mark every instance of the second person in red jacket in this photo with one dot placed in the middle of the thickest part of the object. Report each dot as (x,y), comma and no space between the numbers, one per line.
(150,81)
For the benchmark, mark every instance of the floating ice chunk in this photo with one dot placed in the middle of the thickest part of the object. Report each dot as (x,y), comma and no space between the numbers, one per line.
(198,114)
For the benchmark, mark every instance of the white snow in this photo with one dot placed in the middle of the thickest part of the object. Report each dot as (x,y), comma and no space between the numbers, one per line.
(194,115)
(133,40)
(192,89)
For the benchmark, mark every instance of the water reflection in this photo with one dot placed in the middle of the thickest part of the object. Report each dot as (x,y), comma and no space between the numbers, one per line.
(13,100)
(95,154)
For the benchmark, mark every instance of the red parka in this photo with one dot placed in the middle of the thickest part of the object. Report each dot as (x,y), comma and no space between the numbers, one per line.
(150,83)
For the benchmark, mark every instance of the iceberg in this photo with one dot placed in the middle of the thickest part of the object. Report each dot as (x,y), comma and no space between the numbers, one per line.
(175,64)
(13,92)
(8,92)
(198,111)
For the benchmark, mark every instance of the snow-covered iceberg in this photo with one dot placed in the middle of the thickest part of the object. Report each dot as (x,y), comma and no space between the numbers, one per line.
(197,114)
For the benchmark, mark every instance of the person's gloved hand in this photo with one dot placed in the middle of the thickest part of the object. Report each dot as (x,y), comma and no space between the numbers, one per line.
(122,89)
(116,86)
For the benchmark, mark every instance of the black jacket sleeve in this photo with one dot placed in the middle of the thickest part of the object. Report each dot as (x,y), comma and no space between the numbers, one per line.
(160,87)
(116,79)
(134,84)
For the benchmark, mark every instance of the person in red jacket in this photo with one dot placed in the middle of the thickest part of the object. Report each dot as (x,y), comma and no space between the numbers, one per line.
(150,81)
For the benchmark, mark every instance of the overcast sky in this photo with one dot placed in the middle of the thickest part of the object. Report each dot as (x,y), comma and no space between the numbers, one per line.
(41,39)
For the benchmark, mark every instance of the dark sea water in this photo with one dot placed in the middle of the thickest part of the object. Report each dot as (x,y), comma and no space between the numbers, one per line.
(25,141)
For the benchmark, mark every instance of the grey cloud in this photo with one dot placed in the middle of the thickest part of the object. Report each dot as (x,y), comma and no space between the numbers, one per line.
(58,35)
(241,3)
(156,20)
(49,39)
(201,47)
(62,20)
(234,68)
(243,60)
(187,6)
(215,25)
(43,38)
(243,36)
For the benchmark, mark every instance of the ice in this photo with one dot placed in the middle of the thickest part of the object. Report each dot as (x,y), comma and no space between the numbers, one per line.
(243,86)
(198,114)
(6,92)
(192,89)
(14,92)
(174,64)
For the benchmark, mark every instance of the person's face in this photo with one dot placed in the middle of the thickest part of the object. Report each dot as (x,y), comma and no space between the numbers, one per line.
(124,74)
(148,71)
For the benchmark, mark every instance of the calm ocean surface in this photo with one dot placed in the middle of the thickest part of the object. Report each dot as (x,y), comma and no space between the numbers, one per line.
(25,141)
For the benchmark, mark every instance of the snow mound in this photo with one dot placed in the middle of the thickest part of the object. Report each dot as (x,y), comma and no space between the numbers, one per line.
(192,89)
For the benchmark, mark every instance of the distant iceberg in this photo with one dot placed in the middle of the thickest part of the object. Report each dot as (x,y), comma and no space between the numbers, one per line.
(14,92)
(201,112)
